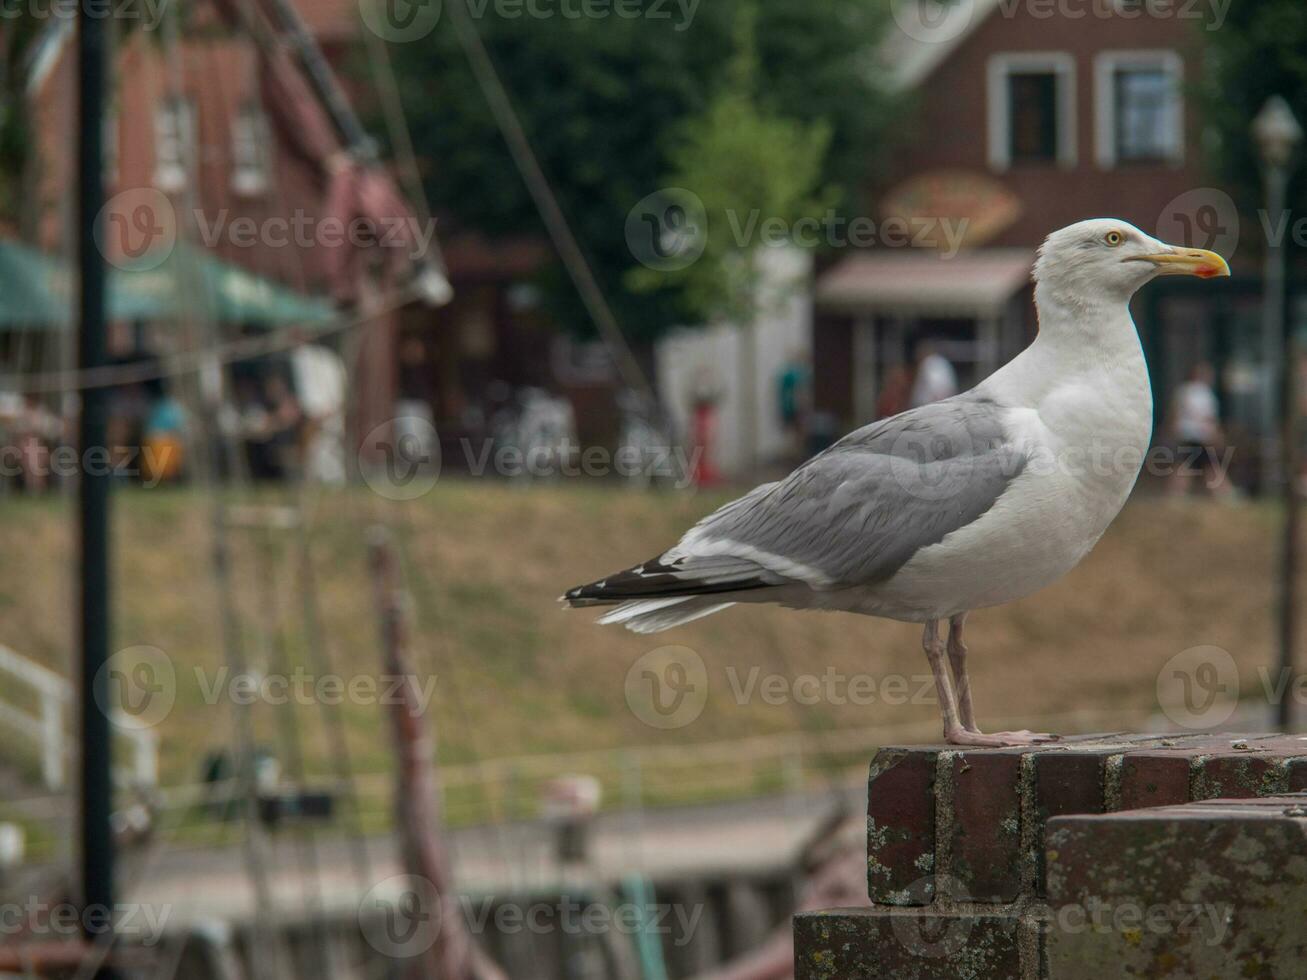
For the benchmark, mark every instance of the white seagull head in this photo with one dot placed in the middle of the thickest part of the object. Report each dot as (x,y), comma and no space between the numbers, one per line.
(1107,259)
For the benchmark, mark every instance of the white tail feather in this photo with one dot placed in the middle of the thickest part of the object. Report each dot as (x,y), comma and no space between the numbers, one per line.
(655,615)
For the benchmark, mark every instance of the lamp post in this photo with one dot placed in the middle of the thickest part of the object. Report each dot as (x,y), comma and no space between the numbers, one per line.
(1278,134)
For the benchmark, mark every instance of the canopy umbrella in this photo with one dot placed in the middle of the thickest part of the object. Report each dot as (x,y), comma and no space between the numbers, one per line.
(189,281)
(36,291)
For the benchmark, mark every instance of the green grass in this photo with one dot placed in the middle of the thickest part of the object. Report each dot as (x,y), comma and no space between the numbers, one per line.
(518,676)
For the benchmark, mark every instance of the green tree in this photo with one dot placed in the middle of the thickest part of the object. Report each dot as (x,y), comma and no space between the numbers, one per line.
(1260,51)
(748,167)
(606,101)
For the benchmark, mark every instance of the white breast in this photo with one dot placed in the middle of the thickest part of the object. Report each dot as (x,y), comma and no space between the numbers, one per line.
(1086,434)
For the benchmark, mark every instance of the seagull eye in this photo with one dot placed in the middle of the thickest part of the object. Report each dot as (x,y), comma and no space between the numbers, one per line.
(1114,238)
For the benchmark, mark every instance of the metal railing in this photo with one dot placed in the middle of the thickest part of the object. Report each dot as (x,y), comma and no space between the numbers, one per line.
(40,720)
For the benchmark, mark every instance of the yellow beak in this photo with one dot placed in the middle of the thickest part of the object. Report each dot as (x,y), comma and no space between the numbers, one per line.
(1189,262)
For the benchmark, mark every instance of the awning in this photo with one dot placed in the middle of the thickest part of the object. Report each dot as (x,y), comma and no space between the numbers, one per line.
(36,291)
(975,283)
(191,282)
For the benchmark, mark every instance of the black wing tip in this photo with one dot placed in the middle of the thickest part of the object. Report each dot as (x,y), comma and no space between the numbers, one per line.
(654,579)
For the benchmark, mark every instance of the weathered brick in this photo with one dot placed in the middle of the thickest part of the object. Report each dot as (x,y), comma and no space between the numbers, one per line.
(901,826)
(1236,776)
(1064,782)
(984,826)
(1206,889)
(1152,779)
(906,944)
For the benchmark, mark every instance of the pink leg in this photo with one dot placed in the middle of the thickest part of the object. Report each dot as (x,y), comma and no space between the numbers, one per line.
(960,728)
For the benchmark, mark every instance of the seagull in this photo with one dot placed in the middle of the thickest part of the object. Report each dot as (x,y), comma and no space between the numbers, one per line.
(970,502)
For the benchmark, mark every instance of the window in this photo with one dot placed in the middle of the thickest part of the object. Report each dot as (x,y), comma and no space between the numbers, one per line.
(174,142)
(1032,131)
(1140,109)
(1031,110)
(109,129)
(249,151)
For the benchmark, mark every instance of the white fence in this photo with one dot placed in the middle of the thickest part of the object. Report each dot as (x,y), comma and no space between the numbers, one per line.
(35,709)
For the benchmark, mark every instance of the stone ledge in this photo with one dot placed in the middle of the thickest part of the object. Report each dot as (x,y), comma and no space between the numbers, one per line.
(1208,889)
(968,823)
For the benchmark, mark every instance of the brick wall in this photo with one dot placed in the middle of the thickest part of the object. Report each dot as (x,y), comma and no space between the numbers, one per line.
(967,881)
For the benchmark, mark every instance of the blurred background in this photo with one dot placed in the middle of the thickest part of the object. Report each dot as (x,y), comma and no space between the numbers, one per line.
(416,314)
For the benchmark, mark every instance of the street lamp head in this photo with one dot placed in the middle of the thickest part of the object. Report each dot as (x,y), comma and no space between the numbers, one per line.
(1277,132)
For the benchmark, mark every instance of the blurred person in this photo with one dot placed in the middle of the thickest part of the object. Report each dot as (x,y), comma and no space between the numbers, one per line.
(1196,429)
(896,393)
(271,424)
(793,399)
(163,436)
(705,395)
(33,433)
(320,382)
(933,377)
(285,426)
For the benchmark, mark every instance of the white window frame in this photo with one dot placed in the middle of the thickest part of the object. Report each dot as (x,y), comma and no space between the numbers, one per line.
(251,149)
(1001,67)
(1106,65)
(173,170)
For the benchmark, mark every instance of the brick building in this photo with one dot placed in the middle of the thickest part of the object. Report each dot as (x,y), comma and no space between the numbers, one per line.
(1023,118)
(216,131)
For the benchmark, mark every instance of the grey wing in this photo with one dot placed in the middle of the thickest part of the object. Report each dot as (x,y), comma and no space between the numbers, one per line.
(857,512)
